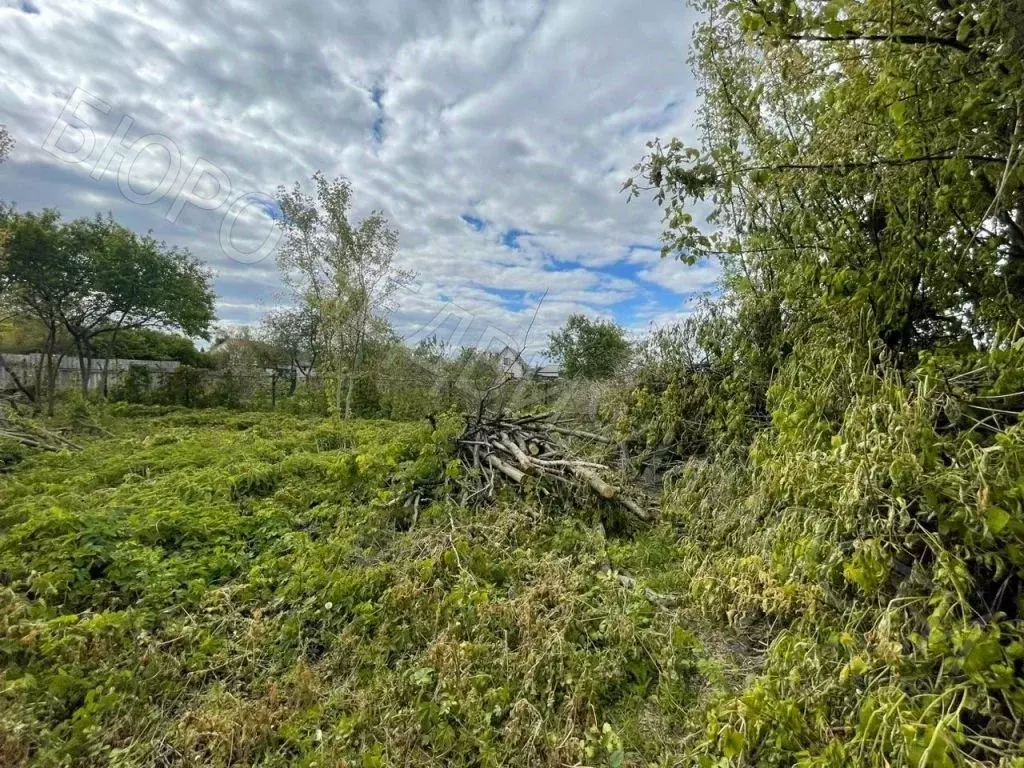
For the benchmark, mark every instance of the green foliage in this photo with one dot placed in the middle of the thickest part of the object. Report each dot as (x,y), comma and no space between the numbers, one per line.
(184,386)
(213,588)
(23,335)
(149,344)
(696,390)
(852,522)
(885,556)
(589,349)
(136,385)
(432,378)
(11,452)
(92,277)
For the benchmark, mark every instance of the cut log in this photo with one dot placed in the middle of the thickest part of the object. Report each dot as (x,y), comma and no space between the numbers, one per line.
(605,490)
(515,450)
(510,472)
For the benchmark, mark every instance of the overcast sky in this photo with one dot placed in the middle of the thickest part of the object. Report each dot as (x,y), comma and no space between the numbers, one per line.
(495,134)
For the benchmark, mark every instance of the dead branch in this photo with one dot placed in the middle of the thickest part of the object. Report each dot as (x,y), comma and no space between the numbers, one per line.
(499,450)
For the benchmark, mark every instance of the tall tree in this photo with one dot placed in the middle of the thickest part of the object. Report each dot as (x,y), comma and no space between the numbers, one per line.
(589,349)
(344,271)
(860,170)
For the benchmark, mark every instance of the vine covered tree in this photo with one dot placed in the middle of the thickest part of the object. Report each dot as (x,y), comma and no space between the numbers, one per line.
(859,174)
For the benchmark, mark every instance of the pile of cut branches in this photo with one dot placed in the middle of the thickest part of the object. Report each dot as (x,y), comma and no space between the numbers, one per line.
(502,450)
(30,434)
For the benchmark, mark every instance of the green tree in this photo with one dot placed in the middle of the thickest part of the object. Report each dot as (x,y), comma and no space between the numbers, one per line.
(88,277)
(589,349)
(296,333)
(132,282)
(345,272)
(861,171)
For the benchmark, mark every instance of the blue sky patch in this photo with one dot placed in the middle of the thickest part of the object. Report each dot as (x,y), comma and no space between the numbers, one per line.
(475,223)
(510,237)
(377,96)
(512,299)
(268,205)
(377,128)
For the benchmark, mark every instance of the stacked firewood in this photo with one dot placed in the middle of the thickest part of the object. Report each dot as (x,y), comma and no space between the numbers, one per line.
(500,451)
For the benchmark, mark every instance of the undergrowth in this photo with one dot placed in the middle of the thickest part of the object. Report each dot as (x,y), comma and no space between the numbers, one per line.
(874,565)
(208,588)
(214,588)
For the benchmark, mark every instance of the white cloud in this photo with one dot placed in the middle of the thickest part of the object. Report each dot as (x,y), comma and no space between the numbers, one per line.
(528,115)
(681,278)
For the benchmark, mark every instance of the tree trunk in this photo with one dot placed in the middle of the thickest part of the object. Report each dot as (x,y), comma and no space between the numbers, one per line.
(84,367)
(51,383)
(354,368)
(348,393)
(339,369)
(51,371)
(106,361)
(38,403)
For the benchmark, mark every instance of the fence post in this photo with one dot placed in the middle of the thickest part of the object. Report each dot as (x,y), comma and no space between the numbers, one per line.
(273,390)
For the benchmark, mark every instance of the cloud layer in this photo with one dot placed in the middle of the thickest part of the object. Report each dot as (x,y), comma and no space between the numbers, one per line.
(495,134)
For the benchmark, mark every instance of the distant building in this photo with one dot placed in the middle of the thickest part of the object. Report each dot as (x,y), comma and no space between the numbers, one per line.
(548,372)
(511,361)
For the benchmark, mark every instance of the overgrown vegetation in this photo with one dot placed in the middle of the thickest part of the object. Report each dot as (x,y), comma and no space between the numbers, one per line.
(851,503)
(835,577)
(210,588)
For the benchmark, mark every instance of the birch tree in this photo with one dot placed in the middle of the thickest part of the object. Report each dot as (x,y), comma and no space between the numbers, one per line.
(345,271)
